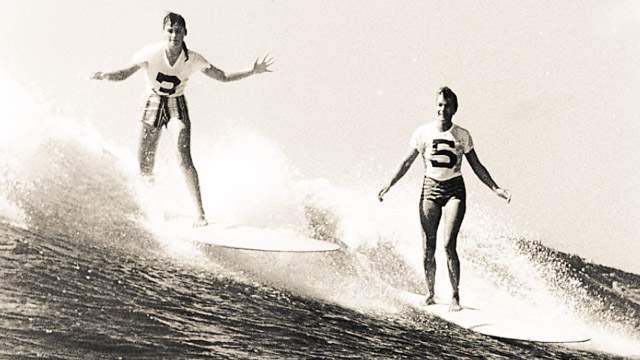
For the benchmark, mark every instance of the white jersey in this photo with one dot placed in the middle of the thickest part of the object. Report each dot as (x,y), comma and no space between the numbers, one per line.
(162,78)
(442,151)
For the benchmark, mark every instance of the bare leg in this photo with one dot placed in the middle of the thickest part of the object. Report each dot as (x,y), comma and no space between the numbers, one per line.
(430,214)
(191,175)
(454,214)
(149,137)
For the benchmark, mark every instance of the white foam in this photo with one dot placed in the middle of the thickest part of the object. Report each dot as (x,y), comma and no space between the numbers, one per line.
(247,178)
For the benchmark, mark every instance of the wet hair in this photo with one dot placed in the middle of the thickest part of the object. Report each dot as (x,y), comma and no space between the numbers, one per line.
(172,19)
(451,97)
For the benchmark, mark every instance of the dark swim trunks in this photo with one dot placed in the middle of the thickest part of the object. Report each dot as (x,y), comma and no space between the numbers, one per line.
(440,192)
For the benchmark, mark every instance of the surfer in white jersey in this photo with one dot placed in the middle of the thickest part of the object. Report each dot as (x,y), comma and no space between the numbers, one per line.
(168,66)
(442,145)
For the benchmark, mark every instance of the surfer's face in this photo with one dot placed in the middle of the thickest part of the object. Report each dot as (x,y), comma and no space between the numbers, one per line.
(445,108)
(175,34)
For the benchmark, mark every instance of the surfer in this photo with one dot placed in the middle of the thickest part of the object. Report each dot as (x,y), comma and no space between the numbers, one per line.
(442,145)
(168,66)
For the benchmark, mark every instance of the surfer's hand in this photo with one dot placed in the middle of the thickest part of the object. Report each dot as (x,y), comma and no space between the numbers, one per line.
(98,76)
(262,66)
(382,193)
(504,193)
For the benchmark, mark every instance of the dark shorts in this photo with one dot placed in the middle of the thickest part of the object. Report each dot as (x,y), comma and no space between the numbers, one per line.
(440,192)
(159,109)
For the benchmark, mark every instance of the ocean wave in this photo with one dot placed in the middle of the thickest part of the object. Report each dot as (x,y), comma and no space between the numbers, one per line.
(80,204)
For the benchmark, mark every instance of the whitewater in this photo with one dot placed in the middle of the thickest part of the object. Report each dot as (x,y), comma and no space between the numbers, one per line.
(82,276)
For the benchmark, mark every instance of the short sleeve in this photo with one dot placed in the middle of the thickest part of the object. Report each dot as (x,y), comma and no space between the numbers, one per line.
(468,143)
(137,58)
(415,141)
(142,55)
(199,62)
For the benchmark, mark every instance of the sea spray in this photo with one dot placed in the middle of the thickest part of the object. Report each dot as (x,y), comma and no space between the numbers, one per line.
(75,189)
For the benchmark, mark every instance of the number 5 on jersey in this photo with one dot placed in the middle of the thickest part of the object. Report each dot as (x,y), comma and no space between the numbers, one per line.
(439,147)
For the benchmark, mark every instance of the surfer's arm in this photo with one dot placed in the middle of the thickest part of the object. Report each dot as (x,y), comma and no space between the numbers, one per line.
(258,68)
(117,75)
(404,167)
(483,174)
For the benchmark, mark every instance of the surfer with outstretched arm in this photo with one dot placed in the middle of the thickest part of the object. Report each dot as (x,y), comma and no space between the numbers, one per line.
(168,66)
(442,145)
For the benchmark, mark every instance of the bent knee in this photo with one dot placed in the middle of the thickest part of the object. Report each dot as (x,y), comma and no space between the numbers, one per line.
(146,168)
(451,251)
(430,252)
(185,161)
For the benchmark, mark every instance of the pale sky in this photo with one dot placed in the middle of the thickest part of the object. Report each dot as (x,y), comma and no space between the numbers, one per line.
(546,88)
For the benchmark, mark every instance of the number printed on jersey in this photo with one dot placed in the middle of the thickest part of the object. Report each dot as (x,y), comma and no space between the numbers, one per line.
(168,83)
(443,154)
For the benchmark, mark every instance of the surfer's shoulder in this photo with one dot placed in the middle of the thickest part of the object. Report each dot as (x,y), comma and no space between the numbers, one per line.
(460,130)
(428,126)
(147,51)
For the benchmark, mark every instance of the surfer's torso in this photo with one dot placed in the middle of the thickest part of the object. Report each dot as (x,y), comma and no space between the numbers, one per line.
(442,151)
(162,77)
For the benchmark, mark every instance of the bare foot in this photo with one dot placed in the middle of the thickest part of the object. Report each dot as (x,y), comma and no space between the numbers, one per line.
(430,300)
(455,305)
(200,222)
(148,180)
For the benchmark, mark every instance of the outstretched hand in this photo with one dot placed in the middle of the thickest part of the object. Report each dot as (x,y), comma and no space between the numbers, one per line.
(262,66)
(382,193)
(504,193)
(97,76)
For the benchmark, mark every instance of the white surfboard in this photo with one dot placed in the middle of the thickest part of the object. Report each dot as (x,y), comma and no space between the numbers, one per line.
(493,324)
(244,237)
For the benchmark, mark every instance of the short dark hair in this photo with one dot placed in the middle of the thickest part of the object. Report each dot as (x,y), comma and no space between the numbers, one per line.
(448,94)
(172,19)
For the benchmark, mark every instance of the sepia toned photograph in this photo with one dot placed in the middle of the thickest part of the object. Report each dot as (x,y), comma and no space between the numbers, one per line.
(320,179)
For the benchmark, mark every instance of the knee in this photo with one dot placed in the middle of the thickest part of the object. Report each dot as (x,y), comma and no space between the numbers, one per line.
(184,158)
(451,251)
(146,166)
(429,244)
(429,253)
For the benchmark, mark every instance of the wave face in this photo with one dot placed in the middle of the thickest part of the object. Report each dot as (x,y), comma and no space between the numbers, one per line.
(83,277)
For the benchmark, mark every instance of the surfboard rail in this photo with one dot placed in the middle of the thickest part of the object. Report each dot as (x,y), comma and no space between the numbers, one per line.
(244,237)
(490,324)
